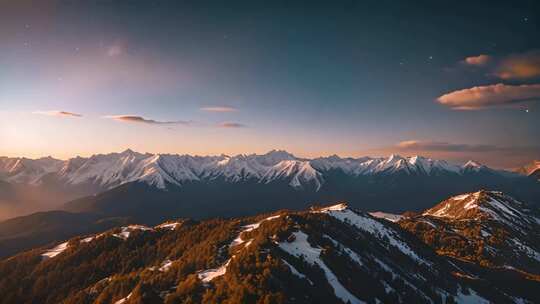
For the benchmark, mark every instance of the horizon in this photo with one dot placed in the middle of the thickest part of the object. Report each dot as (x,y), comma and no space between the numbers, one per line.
(300,157)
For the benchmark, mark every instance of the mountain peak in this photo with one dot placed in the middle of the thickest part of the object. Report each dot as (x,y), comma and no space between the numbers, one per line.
(336,207)
(333,157)
(394,157)
(531,169)
(274,157)
(416,158)
(129,152)
(472,164)
(279,154)
(480,205)
(486,226)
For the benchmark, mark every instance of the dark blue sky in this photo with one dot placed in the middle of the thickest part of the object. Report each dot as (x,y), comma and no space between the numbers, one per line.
(346,77)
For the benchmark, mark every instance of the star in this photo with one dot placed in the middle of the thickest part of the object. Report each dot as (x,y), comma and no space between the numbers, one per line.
(526,110)
(525,19)
(430,57)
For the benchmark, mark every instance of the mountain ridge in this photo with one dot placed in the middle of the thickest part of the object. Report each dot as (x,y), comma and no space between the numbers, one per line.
(532,169)
(113,169)
(486,227)
(326,254)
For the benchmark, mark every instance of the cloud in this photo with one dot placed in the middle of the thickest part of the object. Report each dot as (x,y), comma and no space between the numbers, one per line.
(497,95)
(219,109)
(115,50)
(415,145)
(479,60)
(231,125)
(494,155)
(58,113)
(441,146)
(140,119)
(519,66)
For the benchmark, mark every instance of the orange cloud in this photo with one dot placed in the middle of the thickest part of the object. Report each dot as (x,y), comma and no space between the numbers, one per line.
(497,156)
(219,109)
(496,95)
(479,60)
(416,145)
(58,113)
(519,66)
(140,119)
(231,125)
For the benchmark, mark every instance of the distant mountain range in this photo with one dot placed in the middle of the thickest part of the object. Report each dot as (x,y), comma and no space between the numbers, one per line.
(532,169)
(477,247)
(106,171)
(204,186)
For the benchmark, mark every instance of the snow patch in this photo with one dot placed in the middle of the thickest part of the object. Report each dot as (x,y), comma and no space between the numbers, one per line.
(375,228)
(123,300)
(387,216)
(165,265)
(210,274)
(301,248)
(238,240)
(126,231)
(460,197)
(337,207)
(353,255)
(170,226)
(296,272)
(51,253)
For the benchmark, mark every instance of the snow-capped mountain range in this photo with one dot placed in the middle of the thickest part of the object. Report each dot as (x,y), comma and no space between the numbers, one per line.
(160,170)
(532,169)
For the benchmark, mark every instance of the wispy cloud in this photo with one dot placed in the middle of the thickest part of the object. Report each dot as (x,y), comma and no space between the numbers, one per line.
(140,119)
(479,60)
(58,113)
(441,146)
(497,95)
(231,125)
(416,145)
(492,154)
(219,109)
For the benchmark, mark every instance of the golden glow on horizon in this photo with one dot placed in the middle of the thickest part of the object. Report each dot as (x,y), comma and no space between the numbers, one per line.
(30,136)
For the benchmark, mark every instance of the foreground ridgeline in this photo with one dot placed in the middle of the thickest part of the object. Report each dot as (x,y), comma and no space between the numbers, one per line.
(488,228)
(474,248)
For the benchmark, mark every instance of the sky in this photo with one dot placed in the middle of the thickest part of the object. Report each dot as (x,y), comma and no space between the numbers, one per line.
(457,80)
